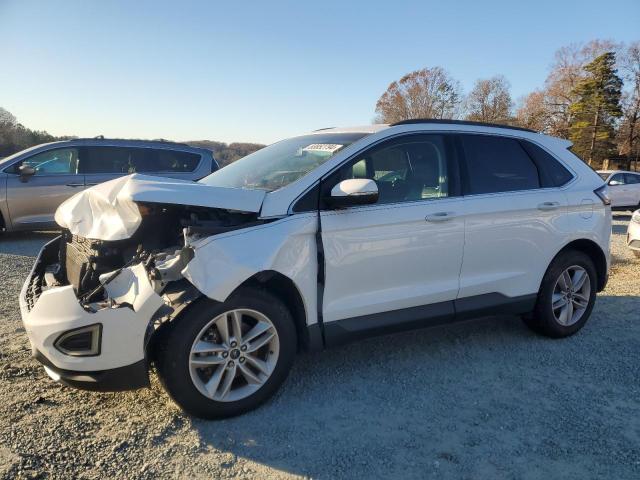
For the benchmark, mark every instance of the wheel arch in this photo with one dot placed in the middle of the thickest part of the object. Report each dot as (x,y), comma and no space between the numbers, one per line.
(289,294)
(593,251)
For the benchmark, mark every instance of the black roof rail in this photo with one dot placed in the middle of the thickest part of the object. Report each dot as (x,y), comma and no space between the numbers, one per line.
(141,140)
(459,122)
(325,128)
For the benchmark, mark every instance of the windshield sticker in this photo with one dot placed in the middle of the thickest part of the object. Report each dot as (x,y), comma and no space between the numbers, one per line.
(322,147)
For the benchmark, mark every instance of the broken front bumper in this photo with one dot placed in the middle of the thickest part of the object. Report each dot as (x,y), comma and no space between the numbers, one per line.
(119,362)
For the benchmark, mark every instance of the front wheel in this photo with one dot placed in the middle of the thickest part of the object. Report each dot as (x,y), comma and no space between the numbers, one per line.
(223,359)
(566,296)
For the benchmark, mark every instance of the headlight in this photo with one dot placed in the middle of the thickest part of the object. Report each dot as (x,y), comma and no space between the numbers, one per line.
(636,216)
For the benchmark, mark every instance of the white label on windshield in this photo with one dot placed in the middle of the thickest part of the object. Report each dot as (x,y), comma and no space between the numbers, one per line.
(322,147)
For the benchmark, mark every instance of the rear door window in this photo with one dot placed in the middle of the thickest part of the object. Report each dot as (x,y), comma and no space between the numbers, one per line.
(631,178)
(497,164)
(127,160)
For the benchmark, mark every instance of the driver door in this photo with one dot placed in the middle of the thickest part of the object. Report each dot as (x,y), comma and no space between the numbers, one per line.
(397,261)
(32,201)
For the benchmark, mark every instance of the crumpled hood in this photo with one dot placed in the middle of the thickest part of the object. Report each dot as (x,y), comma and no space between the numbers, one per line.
(108,211)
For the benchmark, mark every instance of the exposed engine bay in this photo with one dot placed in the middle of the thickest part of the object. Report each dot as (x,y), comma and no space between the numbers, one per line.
(161,242)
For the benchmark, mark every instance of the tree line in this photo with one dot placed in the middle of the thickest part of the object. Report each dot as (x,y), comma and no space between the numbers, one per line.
(15,137)
(591,96)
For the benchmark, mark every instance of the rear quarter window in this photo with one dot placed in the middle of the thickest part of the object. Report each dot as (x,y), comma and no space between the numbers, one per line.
(552,172)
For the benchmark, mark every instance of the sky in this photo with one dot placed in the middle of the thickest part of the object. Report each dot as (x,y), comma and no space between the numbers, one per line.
(261,71)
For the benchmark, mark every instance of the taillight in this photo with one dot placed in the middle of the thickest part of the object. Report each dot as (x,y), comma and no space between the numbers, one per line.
(603,194)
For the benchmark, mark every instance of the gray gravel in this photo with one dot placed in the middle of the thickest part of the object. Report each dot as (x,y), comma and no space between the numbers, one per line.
(484,399)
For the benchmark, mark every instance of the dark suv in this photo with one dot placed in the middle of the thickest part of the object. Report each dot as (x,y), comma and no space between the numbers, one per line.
(35,181)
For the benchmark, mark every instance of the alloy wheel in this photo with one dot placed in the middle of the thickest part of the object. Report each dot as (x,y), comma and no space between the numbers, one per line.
(571,295)
(234,355)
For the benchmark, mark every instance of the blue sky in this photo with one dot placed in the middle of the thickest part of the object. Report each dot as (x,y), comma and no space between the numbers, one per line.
(260,71)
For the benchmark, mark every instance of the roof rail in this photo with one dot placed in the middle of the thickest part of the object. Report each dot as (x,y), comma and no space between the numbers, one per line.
(325,128)
(459,122)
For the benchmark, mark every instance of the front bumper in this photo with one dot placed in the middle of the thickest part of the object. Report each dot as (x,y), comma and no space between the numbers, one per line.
(48,313)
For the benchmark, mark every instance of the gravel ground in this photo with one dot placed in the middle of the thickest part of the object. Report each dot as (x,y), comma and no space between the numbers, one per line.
(487,399)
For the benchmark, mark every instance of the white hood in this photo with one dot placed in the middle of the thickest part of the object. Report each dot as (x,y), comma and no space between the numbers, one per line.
(107,211)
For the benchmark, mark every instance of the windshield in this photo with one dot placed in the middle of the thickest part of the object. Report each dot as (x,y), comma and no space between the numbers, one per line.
(282,163)
(604,175)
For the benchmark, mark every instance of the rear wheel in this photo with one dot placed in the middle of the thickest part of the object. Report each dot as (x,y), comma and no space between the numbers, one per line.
(566,296)
(223,359)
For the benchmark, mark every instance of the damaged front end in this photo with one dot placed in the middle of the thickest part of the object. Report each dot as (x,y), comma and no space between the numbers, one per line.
(91,307)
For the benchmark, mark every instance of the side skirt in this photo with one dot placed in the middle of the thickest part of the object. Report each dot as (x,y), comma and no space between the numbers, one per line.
(347,330)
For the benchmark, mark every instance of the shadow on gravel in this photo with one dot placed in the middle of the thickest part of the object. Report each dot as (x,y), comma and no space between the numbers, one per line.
(479,398)
(24,243)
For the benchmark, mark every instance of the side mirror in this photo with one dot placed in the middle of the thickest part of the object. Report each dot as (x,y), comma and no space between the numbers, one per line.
(615,182)
(355,191)
(26,172)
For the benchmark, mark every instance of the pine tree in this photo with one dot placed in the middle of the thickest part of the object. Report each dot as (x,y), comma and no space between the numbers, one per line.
(596,108)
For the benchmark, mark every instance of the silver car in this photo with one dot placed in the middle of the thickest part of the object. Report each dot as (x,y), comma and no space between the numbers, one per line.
(35,181)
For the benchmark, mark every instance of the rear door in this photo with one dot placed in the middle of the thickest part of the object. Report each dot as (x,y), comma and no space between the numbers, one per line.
(515,221)
(633,183)
(403,252)
(32,201)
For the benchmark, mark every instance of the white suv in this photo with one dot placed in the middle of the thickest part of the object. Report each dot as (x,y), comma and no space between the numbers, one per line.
(624,188)
(311,242)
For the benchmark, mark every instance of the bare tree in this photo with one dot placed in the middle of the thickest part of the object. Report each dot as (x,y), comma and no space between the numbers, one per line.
(490,101)
(426,93)
(629,131)
(532,111)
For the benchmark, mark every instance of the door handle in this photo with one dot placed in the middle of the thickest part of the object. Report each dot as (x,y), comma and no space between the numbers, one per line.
(75,184)
(440,217)
(546,206)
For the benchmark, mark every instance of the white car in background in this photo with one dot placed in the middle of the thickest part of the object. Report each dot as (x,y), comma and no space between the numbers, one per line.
(633,233)
(311,242)
(624,188)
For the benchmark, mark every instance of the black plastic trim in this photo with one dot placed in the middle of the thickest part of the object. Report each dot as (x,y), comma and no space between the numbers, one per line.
(129,377)
(350,329)
(347,330)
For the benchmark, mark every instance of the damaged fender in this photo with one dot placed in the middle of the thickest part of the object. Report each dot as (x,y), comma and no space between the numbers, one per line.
(223,262)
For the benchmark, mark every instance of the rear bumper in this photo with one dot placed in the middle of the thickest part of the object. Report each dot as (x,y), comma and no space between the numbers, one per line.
(125,322)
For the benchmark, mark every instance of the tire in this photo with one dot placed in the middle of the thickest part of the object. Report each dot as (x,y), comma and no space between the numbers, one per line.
(544,319)
(636,253)
(186,382)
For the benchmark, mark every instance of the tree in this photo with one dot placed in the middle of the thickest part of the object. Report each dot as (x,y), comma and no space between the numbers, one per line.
(7,119)
(490,101)
(426,93)
(629,131)
(596,108)
(547,110)
(533,112)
